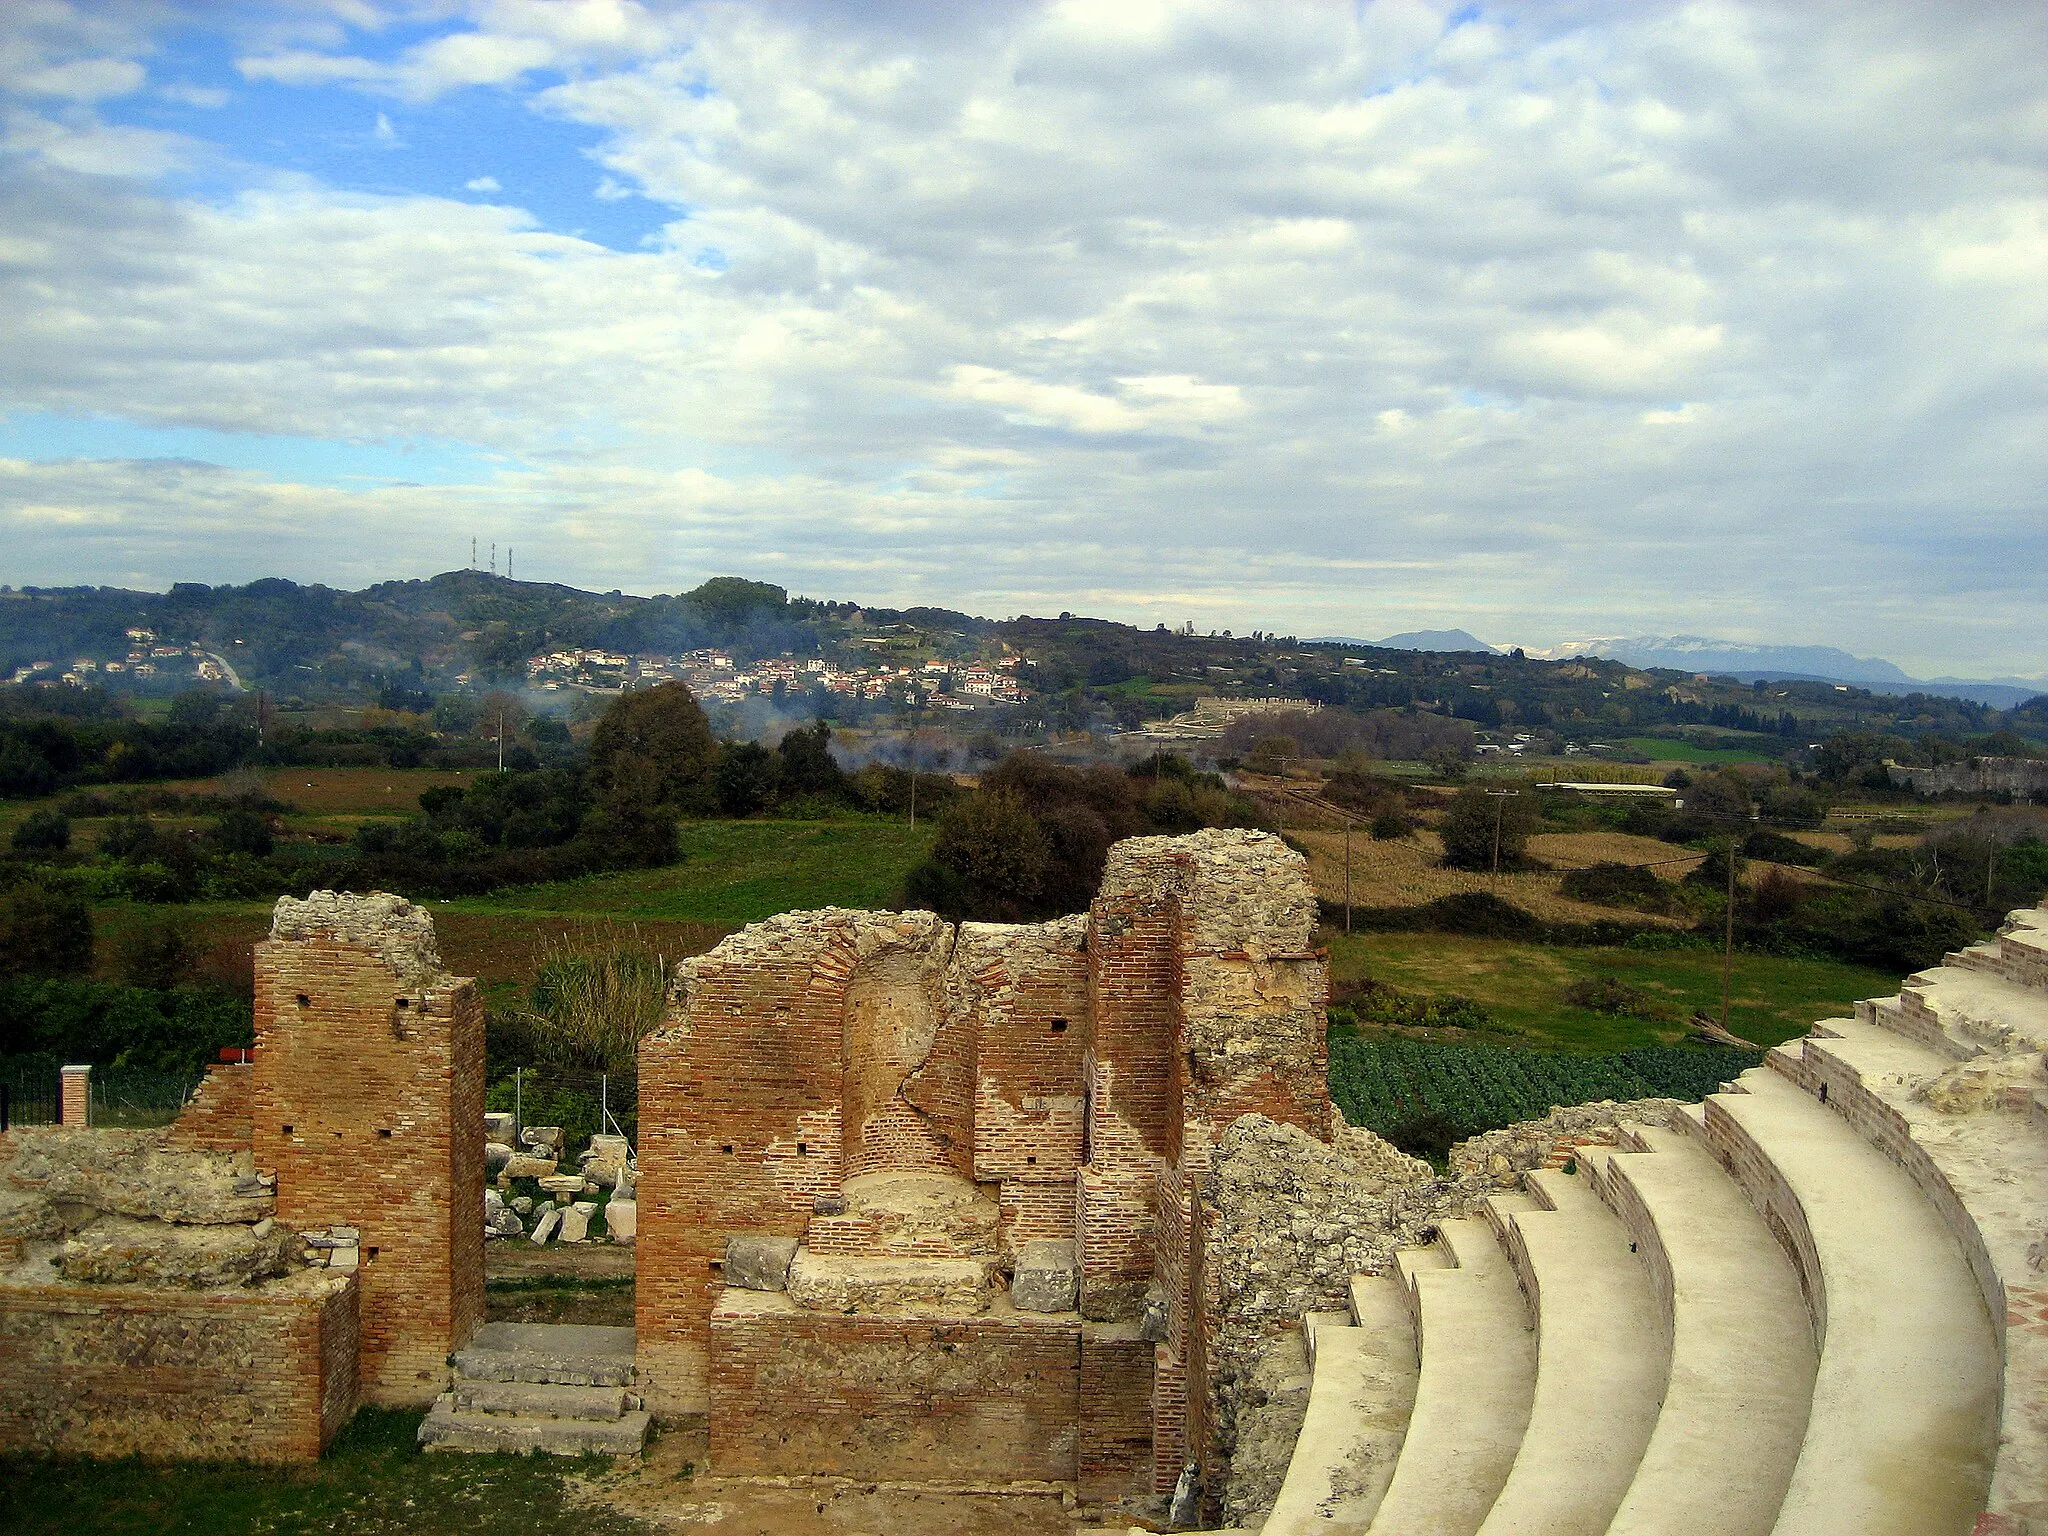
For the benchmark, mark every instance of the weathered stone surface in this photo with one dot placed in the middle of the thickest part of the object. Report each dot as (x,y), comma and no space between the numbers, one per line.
(499,1127)
(397,932)
(924,1287)
(545,1139)
(563,1186)
(523,1165)
(544,1228)
(1047,1279)
(132,1173)
(496,1155)
(622,1220)
(122,1250)
(1498,1159)
(757,1263)
(523,1204)
(575,1227)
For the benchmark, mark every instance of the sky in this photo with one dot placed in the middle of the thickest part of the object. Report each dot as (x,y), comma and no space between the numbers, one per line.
(1543,320)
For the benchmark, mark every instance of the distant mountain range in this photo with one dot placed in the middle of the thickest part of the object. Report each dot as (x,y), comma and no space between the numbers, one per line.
(1732,658)
(1418,640)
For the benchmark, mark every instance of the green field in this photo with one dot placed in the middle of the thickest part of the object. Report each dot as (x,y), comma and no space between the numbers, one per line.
(1522,985)
(1669,749)
(736,872)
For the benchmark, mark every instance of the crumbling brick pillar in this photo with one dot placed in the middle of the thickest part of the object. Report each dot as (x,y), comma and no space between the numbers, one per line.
(367,1102)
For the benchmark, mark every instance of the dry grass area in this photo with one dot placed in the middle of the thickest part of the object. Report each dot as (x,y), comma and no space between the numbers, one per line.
(1576,850)
(335,791)
(1406,873)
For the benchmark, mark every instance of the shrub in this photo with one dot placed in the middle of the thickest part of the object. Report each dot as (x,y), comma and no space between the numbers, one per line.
(43,933)
(592,1001)
(1620,885)
(1391,825)
(43,832)
(1777,848)
(1613,997)
(1482,915)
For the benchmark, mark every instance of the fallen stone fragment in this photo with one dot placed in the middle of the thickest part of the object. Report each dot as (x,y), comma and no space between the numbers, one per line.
(496,1155)
(545,1227)
(621,1220)
(528,1166)
(757,1263)
(498,1127)
(575,1226)
(1048,1277)
(544,1139)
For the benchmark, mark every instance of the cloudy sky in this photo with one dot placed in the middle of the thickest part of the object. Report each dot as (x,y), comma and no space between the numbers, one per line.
(1548,320)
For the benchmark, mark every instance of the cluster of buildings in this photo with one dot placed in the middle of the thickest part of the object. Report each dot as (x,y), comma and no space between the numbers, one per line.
(145,658)
(713,674)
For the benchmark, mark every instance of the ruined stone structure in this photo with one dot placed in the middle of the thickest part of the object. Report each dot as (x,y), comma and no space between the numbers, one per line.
(1068,1203)
(2023,778)
(979,1149)
(302,1239)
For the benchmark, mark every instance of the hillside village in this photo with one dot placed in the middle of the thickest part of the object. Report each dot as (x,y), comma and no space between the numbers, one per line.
(719,675)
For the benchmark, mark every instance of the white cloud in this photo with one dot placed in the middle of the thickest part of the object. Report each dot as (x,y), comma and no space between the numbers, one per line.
(482,184)
(1314,317)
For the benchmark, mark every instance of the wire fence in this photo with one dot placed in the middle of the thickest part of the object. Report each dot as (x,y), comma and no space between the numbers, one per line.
(581,1102)
(31,1093)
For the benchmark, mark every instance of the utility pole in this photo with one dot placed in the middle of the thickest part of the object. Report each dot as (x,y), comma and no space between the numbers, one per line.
(1347,877)
(501,738)
(1501,797)
(1728,936)
(1990,868)
(914,701)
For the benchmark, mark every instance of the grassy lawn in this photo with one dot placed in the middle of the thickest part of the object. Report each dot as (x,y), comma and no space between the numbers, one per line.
(373,1482)
(737,872)
(1523,985)
(1667,749)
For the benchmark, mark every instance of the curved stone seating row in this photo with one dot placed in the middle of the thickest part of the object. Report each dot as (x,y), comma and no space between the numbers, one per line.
(1815,1305)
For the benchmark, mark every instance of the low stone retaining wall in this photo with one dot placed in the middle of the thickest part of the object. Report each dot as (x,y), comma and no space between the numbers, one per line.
(263,1375)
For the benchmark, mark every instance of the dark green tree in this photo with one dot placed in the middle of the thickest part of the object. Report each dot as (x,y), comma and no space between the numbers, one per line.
(1476,817)
(43,933)
(654,748)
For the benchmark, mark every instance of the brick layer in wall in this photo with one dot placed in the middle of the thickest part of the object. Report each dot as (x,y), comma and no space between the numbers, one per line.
(1114,1454)
(110,1371)
(983,1399)
(218,1118)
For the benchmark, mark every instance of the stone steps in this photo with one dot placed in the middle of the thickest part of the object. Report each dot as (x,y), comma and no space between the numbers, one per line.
(561,1389)
(1361,1394)
(1814,1305)
(1740,1345)
(1601,1360)
(1985,1173)
(1474,1384)
(1905,1397)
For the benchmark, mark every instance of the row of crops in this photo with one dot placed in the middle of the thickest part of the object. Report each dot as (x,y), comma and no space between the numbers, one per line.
(1423,1096)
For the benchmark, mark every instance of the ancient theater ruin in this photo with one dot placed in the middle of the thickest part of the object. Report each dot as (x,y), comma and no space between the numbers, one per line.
(921,1200)
(1066,1206)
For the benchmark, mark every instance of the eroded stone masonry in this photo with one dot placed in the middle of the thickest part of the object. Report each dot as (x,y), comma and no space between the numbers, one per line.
(919,1200)
(303,1239)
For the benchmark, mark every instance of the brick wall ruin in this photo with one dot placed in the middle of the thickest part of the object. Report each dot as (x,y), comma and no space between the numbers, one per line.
(971,1155)
(367,1102)
(306,1236)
